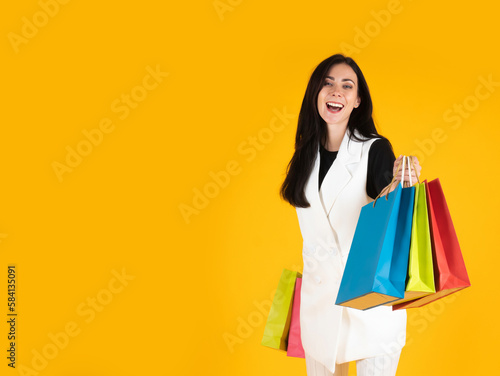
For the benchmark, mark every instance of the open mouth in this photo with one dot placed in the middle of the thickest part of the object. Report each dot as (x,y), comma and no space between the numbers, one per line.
(334,107)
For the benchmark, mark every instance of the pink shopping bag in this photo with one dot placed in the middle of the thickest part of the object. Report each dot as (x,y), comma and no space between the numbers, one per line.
(294,342)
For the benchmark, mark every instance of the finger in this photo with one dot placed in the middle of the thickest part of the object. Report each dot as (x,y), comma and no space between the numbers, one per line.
(407,176)
(415,161)
(398,160)
(416,165)
(413,173)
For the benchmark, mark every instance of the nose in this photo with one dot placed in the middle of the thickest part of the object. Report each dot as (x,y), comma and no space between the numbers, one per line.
(336,92)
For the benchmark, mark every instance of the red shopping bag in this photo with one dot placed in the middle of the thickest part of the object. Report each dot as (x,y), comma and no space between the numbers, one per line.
(449,267)
(295,348)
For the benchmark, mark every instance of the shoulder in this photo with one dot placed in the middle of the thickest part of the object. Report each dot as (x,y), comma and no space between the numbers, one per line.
(376,147)
(379,142)
(381,146)
(380,155)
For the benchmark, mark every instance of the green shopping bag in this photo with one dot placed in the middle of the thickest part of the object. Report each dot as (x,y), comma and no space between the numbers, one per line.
(280,314)
(420,279)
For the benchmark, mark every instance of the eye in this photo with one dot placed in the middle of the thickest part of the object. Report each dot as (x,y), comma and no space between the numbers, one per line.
(328,83)
(348,86)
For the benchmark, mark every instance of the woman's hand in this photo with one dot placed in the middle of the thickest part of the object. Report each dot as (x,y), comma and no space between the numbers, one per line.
(415,171)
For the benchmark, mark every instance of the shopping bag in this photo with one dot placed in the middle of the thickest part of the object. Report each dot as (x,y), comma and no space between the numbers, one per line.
(420,279)
(449,267)
(295,348)
(280,314)
(376,268)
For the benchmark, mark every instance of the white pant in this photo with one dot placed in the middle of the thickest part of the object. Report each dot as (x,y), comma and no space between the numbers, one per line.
(384,365)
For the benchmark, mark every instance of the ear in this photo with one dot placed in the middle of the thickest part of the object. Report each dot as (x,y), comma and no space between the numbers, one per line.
(358,101)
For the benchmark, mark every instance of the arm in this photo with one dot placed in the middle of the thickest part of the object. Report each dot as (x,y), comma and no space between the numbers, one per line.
(380,167)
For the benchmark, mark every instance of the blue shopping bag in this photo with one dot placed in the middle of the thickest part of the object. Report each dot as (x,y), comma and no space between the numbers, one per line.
(377,265)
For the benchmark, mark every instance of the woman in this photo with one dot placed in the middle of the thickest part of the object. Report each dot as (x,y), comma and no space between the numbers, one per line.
(340,163)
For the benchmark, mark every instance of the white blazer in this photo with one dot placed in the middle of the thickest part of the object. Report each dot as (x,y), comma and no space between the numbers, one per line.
(333,334)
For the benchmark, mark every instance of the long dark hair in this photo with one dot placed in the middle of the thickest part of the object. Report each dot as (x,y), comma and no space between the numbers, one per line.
(311,128)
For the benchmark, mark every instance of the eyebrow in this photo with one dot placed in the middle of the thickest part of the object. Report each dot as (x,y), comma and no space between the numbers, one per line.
(345,79)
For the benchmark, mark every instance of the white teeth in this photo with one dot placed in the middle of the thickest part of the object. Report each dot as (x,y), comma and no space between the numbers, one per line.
(338,105)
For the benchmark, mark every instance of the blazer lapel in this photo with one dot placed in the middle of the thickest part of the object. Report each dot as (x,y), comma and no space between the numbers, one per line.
(338,175)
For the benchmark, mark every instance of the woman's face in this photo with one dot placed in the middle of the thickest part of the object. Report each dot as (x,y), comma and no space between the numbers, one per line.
(339,95)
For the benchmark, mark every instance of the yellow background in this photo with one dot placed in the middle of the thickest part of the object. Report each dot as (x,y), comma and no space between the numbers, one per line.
(192,306)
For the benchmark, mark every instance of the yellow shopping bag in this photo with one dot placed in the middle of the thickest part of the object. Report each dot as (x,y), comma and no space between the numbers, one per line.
(280,314)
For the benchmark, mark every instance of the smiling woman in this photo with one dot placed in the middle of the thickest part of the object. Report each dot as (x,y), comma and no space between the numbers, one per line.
(340,164)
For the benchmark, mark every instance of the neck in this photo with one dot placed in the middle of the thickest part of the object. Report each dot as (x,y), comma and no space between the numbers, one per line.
(334,137)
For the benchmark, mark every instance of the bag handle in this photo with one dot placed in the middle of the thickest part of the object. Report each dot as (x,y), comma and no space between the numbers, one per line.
(410,183)
(411,161)
(415,168)
(403,171)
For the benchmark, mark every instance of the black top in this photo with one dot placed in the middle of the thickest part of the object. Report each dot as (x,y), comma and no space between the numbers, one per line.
(380,164)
